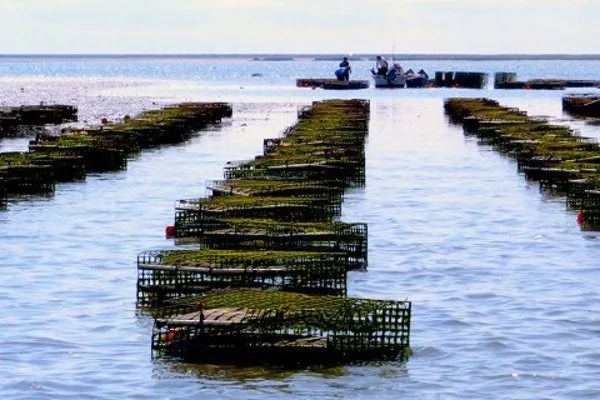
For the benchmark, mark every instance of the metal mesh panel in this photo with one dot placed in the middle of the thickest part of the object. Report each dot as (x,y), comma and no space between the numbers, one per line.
(160,281)
(342,329)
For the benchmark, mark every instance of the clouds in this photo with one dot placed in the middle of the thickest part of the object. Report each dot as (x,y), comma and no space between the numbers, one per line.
(301,26)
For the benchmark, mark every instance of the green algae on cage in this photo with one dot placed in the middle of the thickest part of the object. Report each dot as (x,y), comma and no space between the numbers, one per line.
(19,174)
(171,274)
(273,187)
(192,214)
(258,326)
(106,148)
(265,234)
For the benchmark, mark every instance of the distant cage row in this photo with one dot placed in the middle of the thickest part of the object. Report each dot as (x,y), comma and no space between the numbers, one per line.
(75,152)
(556,156)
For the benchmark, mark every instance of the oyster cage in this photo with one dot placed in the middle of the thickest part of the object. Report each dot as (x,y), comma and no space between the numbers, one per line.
(263,327)
(3,192)
(249,234)
(27,179)
(590,209)
(276,188)
(307,171)
(190,215)
(167,275)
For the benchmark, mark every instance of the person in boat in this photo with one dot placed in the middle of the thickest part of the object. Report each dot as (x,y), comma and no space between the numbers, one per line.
(393,72)
(381,66)
(343,72)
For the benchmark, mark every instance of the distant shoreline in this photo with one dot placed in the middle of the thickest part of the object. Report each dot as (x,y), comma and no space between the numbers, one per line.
(298,57)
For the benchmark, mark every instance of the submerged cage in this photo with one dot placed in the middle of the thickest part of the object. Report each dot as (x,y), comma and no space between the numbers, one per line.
(172,274)
(265,327)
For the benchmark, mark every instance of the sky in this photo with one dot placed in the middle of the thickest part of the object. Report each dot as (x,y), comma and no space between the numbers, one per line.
(299,26)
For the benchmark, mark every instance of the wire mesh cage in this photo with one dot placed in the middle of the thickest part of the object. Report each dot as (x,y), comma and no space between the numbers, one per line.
(589,204)
(252,326)
(3,191)
(167,275)
(191,215)
(261,234)
(333,190)
(27,179)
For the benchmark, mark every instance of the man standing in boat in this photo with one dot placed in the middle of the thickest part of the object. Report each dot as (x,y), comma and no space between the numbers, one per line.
(381,65)
(343,73)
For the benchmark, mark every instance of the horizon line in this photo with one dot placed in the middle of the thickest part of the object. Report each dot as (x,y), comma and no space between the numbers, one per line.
(315,55)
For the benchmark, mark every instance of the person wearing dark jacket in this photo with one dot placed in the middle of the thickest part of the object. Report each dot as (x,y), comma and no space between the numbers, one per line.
(381,65)
(343,73)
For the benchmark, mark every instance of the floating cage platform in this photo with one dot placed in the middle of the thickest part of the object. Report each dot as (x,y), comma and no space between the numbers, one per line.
(20,176)
(95,158)
(332,84)
(27,179)
(192,214)
(64,167)
(172,274)
(256,327)
(585,105)
(334,144)
(11,118)
(461,79)
(352,174)
(256,234)
(273,188)
(508,80)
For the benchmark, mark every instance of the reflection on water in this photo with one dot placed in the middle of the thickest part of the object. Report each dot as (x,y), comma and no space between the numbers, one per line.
(245,375)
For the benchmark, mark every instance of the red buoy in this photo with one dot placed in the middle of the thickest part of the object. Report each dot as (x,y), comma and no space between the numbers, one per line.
(170,231)
(580,218)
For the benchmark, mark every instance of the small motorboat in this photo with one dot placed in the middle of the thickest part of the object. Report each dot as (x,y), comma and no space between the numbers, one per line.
(397,78)
(394,78)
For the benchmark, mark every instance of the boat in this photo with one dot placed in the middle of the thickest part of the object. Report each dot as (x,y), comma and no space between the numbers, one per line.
(397,78)
(394,78)
(417,79)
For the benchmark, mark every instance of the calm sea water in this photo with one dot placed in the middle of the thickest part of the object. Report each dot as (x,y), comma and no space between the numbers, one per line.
(503,282)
